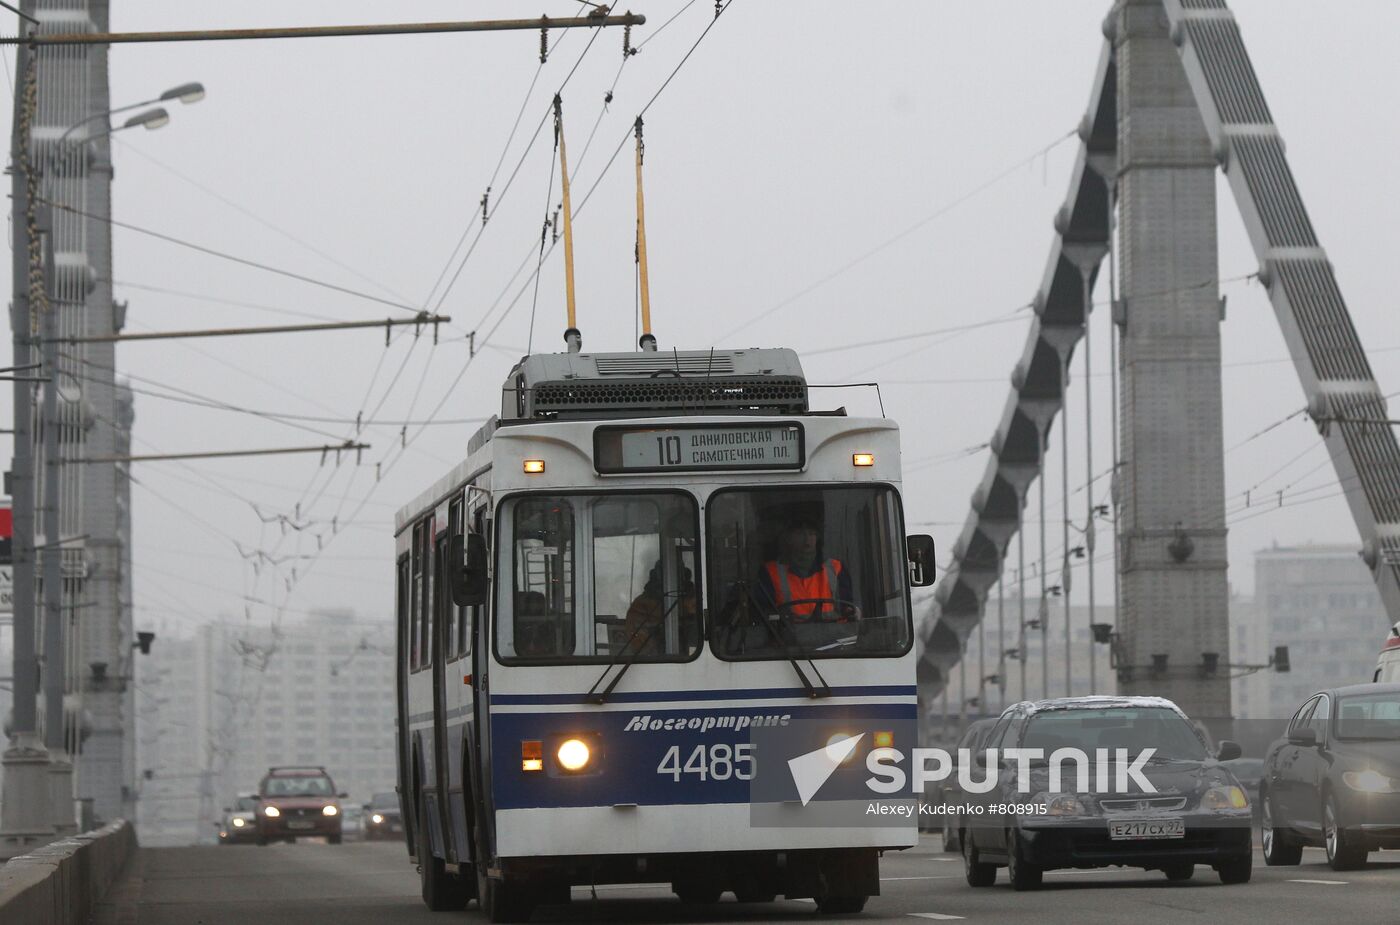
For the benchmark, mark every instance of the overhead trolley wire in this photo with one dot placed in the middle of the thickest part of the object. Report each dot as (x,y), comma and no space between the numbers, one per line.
(243,261)
(906,232)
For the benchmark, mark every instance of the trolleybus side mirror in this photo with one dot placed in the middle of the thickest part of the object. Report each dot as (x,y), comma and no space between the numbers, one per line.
(468,574)
(921,568)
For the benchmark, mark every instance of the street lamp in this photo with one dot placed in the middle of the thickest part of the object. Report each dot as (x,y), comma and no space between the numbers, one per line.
(186,93)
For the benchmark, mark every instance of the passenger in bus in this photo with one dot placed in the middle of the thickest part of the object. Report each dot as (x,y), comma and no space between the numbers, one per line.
(802,583)
(645,624)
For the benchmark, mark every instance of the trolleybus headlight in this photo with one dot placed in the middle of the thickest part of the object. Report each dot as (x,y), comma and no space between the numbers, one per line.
(271,812)
(534,466)
(573,755)
(329,809)
(863,459)
(837,752)
(532,755)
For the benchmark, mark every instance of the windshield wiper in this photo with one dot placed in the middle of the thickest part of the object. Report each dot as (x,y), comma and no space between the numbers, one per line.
(602,696)
(812,691)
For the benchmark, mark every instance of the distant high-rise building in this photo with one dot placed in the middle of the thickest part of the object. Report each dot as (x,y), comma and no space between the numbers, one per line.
(318,692)
(1321,602)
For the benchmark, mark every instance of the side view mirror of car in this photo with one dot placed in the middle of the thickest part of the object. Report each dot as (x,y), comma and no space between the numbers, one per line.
(228,809)
(1228,751)
(467,570)
(1304,737)
(342,796)
(921,563)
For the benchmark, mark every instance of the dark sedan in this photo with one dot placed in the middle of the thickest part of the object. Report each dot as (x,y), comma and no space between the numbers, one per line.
(1188,810)
(949,793)
(1334,778)
(382,819)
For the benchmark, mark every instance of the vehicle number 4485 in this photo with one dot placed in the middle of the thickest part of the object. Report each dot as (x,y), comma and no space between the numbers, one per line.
(714,762)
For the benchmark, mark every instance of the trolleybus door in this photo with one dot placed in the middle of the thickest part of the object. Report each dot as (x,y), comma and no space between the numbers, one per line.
(440,616)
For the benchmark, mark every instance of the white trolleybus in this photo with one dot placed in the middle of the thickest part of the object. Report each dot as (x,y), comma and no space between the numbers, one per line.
(644,561)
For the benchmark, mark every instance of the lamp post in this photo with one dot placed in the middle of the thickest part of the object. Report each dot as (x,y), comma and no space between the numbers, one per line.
(185,93)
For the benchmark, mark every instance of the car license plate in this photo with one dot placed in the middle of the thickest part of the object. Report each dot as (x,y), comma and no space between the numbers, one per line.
(298,824)
(1147,828)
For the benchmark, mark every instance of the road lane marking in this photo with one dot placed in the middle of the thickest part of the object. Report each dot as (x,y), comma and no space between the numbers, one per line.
(935,915)
(1323,882)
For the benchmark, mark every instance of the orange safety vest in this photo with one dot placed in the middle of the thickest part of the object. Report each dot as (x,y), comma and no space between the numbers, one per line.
(820,584)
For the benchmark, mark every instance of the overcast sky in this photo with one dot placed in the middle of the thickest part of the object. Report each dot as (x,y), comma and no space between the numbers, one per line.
(797,137)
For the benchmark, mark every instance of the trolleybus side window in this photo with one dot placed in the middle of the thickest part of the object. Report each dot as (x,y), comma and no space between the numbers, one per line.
(809,572)
(451,612)
(598,578)
(415,598)
(403,596)
(425,604)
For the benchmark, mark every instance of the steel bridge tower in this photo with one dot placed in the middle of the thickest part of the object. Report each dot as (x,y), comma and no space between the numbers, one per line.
(1174,98)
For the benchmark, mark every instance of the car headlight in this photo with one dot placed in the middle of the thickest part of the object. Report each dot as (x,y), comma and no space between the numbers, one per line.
(376,819)
(238,823)
(271,812)
(574,755)
(329,809)
(1370,781)
(1061,804)
(1230,797)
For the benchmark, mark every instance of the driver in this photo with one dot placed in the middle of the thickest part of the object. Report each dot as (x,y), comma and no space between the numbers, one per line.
(804,584)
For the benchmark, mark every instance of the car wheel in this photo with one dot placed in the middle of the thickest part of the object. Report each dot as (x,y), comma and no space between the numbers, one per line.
(1341,853)
(1280,848)
(1023,874)
(840,905)
(950,835)
(441,891)
(1179,872)
(978,873)
(1237,871)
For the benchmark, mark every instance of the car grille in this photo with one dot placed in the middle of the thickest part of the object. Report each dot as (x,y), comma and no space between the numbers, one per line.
(1141,804)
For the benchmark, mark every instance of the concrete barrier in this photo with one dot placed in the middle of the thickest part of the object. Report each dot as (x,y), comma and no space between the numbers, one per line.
(60,883)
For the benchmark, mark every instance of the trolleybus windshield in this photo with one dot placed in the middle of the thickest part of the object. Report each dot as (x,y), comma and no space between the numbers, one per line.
(807,572)
(600,577)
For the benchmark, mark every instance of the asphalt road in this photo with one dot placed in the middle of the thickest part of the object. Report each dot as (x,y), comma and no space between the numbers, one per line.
(357,883)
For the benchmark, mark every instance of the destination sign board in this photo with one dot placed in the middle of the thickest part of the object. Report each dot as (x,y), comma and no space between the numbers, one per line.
(699,448)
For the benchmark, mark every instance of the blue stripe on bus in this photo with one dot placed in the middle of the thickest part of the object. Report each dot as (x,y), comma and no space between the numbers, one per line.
(778,693)
(649,757)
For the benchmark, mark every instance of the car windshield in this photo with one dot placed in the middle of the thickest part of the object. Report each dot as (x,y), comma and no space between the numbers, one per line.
(384,801)
(308,786)
(807,573)
(246,805)
(1369,716)
(1130,728)
(596,578)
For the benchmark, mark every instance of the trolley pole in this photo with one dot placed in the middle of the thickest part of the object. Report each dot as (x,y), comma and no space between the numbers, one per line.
(24,807)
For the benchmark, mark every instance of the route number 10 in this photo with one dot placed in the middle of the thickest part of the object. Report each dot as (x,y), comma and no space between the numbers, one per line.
(668,451)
